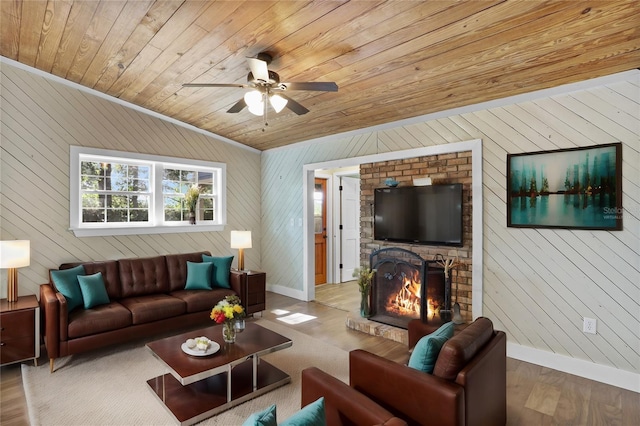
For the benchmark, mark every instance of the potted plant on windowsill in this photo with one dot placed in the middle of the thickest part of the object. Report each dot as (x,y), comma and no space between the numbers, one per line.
(364,275)
(191,202)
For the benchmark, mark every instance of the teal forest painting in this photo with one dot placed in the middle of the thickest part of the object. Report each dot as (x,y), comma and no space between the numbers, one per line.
(577,188)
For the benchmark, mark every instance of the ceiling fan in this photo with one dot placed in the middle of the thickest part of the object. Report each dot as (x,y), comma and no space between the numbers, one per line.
(266,85)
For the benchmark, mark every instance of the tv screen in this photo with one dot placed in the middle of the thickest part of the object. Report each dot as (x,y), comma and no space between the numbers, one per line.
(430,215)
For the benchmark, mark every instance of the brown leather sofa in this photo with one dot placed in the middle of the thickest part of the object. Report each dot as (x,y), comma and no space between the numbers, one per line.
(343,405)
(468,385)
(146,296)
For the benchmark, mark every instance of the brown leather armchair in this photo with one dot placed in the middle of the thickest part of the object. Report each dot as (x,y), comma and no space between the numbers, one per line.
(343,405)
(467,388)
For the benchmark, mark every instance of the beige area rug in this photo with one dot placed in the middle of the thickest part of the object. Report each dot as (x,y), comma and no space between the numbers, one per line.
(109,387)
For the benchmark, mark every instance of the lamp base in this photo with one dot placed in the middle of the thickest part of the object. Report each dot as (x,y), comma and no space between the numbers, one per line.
(12,285)
(240,260)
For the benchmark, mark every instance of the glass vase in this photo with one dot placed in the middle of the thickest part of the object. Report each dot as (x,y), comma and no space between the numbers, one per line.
(229,332)
(365,309)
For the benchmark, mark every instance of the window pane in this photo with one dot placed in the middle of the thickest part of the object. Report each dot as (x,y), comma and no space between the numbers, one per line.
(138,215)
(92,183)
(139,201)
(92,215)
(206,203)
(92,200)
(117,201)
(140,185)
(170,186)
(172,216)
(171,174)
(206,189)
(188,176)
(140,172)
(118,215)
(90,168)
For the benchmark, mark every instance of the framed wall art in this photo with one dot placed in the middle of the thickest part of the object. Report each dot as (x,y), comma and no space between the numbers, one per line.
(575,188)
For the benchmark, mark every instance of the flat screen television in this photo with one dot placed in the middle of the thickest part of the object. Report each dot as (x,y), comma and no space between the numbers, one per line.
(430,215)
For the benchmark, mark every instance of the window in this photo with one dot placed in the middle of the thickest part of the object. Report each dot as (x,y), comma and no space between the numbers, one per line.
(118,193)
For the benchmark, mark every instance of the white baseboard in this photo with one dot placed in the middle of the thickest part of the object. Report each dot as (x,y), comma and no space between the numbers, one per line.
(286,291)
(589,370)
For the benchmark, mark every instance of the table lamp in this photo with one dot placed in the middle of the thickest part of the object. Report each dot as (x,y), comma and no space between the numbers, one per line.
(240,240)
(14,254)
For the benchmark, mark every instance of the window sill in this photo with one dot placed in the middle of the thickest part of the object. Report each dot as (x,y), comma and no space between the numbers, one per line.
(140,230)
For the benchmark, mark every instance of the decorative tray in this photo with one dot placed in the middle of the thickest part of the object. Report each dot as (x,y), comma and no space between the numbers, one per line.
(212,348)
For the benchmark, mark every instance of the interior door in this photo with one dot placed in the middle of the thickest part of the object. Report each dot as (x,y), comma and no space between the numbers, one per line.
(320,228)
(350,221)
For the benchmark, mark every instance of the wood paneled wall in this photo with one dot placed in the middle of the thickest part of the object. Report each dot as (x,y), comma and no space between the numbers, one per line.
(538,283)
(41,118)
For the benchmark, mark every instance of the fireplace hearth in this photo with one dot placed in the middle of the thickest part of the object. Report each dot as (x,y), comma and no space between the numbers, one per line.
(405,287)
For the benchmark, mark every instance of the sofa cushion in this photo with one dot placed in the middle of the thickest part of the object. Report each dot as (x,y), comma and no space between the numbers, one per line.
(109,271)
(153,307)
(87,322)
(66,282)
(266,417)
(221,270)
(143,276)
(198,276)
(177,268)
(93,290)
(461,348)
(201,300)
(427,349)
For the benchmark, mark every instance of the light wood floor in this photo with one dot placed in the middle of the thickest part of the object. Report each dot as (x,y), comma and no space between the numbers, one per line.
(535,395)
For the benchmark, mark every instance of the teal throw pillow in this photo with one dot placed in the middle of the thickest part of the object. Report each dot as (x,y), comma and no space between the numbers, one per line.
(425,354)
(198,276)
(221,270)
(66,282)
(94,292)
(266,417)
(310,415)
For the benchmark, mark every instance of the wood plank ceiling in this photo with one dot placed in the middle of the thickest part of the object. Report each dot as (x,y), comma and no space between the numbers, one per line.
(391,59)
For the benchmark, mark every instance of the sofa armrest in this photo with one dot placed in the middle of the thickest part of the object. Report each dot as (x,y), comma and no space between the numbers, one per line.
(54,308)
(343,405)
(418,397)
(238,280)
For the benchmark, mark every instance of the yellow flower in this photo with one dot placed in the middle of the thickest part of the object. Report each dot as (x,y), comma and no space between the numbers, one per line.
(238,309)
(228,311)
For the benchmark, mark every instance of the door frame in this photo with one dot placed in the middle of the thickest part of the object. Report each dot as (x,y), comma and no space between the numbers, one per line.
(308,241)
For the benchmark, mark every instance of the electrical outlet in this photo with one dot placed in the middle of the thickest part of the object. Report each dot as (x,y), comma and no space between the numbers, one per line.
(589,325)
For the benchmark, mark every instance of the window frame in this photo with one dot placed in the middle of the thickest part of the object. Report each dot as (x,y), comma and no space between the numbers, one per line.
(156,225)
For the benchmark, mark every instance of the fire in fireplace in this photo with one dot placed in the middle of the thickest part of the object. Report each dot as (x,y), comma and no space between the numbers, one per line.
(398,294)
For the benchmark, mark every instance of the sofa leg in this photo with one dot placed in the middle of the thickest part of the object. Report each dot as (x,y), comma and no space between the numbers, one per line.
(51,365)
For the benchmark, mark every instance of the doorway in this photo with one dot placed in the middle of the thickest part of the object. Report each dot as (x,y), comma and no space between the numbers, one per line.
(320,229)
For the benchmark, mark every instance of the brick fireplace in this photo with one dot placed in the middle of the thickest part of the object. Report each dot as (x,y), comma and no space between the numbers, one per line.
(442,169)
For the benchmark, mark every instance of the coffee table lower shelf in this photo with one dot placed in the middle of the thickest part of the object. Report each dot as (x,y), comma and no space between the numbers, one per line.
(200,400)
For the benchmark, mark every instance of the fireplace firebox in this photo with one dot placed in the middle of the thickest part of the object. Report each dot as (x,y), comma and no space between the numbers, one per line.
(405,287)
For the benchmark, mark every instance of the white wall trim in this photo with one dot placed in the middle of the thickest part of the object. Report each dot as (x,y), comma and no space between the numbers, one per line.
(524,97)
(286,291)
(590,370)
(475,146)
(124,103)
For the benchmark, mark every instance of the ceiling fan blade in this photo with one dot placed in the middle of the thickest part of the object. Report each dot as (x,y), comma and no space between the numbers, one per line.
(320,86)
(238,106)
(241,86)
(258,69)
(294,106)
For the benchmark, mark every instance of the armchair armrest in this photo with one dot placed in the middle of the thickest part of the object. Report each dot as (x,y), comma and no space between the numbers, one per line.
(418,397)
(343,405)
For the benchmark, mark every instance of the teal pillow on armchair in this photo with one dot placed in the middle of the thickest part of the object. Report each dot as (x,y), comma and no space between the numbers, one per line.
(425,354)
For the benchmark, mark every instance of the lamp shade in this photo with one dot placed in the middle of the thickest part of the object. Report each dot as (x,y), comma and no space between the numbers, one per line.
(15,254)
(240,239)
(278,102)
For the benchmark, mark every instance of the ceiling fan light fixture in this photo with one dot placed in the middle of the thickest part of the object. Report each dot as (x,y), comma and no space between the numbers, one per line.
(277,102)
(253,97)
(256,109)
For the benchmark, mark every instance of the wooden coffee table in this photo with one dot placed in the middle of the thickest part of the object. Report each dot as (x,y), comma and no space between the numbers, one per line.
(199,387)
